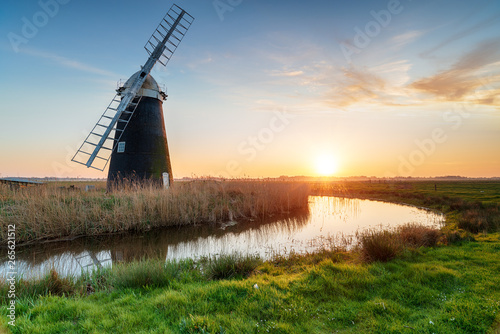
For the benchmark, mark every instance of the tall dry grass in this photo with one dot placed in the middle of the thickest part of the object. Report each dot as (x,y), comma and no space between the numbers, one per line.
(386,244)
(49,212)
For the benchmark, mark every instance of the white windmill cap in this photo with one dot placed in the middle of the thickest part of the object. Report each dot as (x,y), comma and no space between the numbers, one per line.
(150,87)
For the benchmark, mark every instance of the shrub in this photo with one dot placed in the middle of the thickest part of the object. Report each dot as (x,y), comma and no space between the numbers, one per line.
(415,235)
(379,245)
(473,221)
(454,237)
(230,266)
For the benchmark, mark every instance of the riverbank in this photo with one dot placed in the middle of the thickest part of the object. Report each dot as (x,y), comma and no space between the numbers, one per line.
(57,211)
(51,212)
(469,206)
(447,286)
(447,289)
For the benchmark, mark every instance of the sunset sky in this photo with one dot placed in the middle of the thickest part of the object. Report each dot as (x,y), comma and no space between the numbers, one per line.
(262,88)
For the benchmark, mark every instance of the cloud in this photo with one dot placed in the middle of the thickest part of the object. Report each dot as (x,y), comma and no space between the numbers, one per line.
(463,33)
(66,62)
(287,73)
(356,85)
(381,85)
(196,63)
(395,72)
(461,81)
(401,40)
(297,108)
(325,87)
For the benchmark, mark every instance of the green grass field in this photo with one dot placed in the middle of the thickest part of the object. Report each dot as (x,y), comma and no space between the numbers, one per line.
(487,192)
(449,288)
(452,289)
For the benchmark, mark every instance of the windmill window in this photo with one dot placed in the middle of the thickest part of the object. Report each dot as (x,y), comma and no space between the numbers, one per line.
(121,147)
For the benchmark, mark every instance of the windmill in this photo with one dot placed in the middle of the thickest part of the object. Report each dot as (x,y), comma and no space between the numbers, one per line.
(131,131)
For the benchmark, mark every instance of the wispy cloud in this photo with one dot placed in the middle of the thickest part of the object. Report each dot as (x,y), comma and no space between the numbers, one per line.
(66,62)
(200,61)
(382,85)
(395,72)
(287,73)
(463,79)
(463,33)
(312,82)
(405,38)
(270,105)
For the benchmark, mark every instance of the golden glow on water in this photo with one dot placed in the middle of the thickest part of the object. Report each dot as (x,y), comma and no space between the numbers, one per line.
(328,218)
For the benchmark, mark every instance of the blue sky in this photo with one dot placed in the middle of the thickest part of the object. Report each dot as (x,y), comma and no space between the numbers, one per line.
(263,88)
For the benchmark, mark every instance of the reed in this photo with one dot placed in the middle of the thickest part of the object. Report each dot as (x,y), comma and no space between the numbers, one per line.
(379,245)
(49,212)
(416,235)
(479,219)
(386,244)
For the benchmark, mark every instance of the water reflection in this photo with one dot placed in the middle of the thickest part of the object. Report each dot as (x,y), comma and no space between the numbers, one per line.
(327,217)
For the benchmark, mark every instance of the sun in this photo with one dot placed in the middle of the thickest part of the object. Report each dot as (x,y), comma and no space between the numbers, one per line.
(326,165)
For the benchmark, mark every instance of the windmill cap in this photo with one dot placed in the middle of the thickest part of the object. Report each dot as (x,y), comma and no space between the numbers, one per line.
(150,87)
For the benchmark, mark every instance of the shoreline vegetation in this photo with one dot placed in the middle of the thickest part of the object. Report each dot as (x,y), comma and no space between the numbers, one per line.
(54,212)
(60,211)
(404,280)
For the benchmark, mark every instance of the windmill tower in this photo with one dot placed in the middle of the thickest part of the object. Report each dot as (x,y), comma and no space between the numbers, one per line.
(142,150)
(131,131)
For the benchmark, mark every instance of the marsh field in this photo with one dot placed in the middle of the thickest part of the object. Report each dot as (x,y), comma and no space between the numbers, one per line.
(409,279)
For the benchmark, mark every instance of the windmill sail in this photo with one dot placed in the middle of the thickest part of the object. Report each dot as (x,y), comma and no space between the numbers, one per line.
(173,27)
(96,149)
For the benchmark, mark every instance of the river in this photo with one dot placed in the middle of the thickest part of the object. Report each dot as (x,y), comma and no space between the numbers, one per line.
(328,219)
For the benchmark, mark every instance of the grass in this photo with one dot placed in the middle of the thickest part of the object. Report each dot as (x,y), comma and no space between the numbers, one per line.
(48,212)
(450,289)
(142,274)
(229,266)
(412,279)
(486,192)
